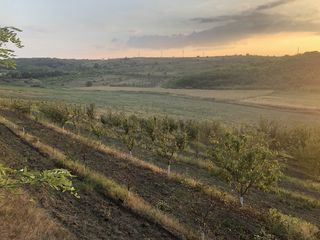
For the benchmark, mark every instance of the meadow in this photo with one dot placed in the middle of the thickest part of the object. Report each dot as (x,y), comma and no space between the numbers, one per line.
(232,106)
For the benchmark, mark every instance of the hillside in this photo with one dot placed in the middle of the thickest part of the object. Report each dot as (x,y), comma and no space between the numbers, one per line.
(190,199)
(229,72)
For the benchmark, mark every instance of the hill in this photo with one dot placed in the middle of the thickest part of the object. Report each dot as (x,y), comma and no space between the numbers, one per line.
(228,72)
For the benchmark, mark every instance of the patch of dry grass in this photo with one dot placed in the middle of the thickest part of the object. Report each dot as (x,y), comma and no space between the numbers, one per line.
(304,183)
(291,228)
(21,219)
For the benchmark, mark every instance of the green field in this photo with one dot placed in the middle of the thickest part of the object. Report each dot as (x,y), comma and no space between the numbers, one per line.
(226,106)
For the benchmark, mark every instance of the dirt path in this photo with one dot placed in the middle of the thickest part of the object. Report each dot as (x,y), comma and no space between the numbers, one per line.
(188,205)
(91,217)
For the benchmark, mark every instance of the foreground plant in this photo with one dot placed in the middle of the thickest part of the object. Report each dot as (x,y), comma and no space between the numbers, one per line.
(246,161)
(8,35)
(58,179)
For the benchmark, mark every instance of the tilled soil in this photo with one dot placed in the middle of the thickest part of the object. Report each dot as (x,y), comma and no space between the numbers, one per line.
(186,204)
(91,217)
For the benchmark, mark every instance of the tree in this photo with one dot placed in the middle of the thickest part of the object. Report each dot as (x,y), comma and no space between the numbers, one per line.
(76,116)
(129,132)
(57,113)
(246,161)
(58,179)
(148,127)
(8,36)
(166,140)
(91,111)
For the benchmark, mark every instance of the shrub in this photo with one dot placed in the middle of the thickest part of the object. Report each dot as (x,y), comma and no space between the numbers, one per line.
(89,84)
(57,113)
(308,153)
(21,106)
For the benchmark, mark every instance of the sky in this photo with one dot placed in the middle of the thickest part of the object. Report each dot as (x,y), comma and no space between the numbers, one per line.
(96,29)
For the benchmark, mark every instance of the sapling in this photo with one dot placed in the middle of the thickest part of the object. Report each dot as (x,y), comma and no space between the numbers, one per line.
(91,111)
(149,127)
(166,147)
(129,132)
(181,139)
(97,130)
(76,116)
(246,161)
(204,213)
(57,113)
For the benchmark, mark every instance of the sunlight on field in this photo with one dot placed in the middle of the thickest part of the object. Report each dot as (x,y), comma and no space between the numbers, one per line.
(212,94)
(303,100)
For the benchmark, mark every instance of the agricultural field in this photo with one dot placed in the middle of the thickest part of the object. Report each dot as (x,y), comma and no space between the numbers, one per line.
(232,106)
(153,177)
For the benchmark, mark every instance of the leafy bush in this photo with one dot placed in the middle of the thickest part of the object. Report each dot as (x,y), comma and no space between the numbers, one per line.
(308,153)
(57,113)
(21,106)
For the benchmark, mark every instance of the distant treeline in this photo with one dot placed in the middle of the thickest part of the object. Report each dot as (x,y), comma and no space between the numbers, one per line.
(239,72)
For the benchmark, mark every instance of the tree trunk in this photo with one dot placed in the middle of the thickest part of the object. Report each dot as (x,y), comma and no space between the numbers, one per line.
(202,236)
(130,152)
(241,201)
(169,169)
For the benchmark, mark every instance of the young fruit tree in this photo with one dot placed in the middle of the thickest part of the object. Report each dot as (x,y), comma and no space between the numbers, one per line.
(168,141)
(91,111)
(148,128)
(129,132)
(76,117)
(58,113)
(246,161)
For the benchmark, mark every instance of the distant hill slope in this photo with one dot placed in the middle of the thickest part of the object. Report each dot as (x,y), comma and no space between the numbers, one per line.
(229,72)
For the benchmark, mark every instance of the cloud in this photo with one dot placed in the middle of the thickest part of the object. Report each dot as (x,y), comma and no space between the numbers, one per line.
(235,17)
(271,5)
(230,28)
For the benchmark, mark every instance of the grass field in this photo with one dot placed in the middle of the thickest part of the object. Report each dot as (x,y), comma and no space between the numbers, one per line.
(303,100)
(237,106)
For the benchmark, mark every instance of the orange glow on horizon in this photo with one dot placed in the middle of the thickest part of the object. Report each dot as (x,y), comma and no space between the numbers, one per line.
(266,45)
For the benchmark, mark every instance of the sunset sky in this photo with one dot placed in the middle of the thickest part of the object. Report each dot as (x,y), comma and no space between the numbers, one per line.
(119,28)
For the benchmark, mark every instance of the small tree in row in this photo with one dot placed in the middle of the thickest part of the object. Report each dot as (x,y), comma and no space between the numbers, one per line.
(246,161)
(168,140)
(57,113)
